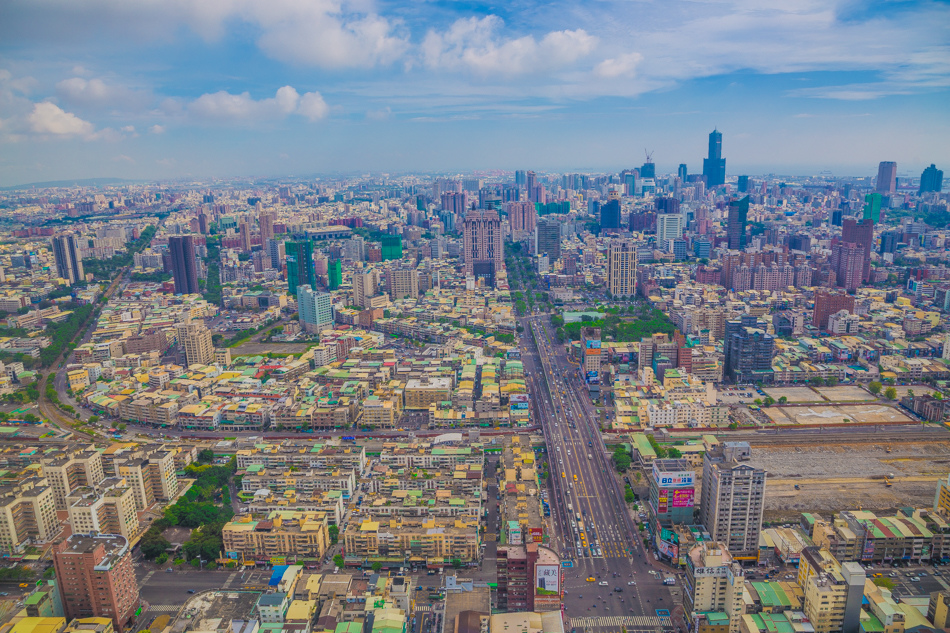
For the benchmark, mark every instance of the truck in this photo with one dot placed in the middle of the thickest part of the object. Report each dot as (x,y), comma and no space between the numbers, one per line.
(669,580)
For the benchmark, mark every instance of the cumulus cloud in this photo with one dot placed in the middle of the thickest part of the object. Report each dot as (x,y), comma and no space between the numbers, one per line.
(157,129)
(224,106)
(622,66)
(48,118)
(96,92)
(474,44)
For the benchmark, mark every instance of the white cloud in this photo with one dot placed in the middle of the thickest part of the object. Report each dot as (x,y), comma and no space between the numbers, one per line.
(157,129)
(48,118)
(313,106)
(379,115)
(100,94)
(224,106)
(472,44)
(622,66)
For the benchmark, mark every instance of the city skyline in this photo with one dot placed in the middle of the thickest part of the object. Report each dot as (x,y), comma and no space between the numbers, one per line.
(155,92)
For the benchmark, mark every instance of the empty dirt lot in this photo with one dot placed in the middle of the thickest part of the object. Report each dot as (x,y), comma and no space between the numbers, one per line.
(837,476)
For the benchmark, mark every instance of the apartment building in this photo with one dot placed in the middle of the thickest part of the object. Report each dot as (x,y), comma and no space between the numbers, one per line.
(72,470)
(833,591)
(27,514)
(150,472)
(733,499)
(108,508)
(302,535)
(280,481)
(434,539)
(420,394)
(714,584)
(96,577)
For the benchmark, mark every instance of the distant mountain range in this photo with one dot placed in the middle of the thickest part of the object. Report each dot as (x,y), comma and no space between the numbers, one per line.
(79,182)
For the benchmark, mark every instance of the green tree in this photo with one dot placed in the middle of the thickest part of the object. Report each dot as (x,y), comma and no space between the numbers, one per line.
(334,531)
(875,387)
(377,566)
(769,401)
(628,495)
(456,563)
(339,561)
(621,459)
(883,581)
(890,393)
(783,400)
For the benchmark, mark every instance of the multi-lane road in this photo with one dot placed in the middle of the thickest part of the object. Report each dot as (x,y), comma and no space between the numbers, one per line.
(594,529)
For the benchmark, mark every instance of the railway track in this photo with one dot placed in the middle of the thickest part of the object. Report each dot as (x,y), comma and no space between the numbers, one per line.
(889,435)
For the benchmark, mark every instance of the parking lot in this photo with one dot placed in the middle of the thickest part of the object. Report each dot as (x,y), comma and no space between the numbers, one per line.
(913,581)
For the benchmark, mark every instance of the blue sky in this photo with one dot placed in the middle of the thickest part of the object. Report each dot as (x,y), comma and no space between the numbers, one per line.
(195,88)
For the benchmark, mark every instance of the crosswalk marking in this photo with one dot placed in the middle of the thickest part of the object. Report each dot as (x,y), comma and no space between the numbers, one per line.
(164,608)
(423,607)
(614,621)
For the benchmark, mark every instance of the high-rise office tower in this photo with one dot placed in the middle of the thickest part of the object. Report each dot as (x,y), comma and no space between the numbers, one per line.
(669,226)
(68,262)
(886,177)
(95,577)
(714,167)
(315,309)
(522,217)
(681,172)
(847,260)
(277,252)
(482,241)
(366,289)
(610,215)
(743,184)
(530,184)
(195,341)
(184,265)
(931,180)
(520,178)
(266,222)
(299,256)
(889,241)
(245,232)
(735,227)
(548,239)
(748,350)
(202,223)
(862,234)
(622,268)
(733,498)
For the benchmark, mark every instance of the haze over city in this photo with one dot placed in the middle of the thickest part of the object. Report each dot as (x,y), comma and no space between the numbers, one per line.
(153,90)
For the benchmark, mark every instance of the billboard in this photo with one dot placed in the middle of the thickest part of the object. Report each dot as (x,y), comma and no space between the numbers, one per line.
(593,344)
(548,577)
(682,498)
(662,501)
(593,351)
(537,535)
(518,397)
(667,549)
(681,479)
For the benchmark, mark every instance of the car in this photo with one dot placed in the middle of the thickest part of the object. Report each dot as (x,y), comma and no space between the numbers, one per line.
(191,591)
(631,582)
(23,585)
(618,589)
(603,583)
(590,579)
(915,579)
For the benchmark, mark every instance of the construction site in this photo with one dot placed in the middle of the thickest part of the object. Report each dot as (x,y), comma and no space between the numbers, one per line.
(836,471)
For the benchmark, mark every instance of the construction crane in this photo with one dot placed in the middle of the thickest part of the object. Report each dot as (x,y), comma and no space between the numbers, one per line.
(649,155)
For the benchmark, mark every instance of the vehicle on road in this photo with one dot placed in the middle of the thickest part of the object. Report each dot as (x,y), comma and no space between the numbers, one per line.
(590,579)
(603,583)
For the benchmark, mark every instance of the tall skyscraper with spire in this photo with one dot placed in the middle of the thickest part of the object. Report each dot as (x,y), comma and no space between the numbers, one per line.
(714,167)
